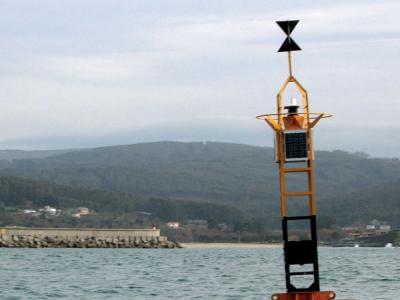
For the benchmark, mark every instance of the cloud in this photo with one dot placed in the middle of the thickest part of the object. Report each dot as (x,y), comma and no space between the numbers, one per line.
(184,69)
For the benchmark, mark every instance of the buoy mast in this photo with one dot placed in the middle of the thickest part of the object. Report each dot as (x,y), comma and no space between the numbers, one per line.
(293,125)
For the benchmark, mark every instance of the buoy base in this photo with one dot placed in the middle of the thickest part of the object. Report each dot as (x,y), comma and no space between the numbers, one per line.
(327,295)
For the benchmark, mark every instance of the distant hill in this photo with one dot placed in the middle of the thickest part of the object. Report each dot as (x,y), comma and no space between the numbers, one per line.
(380,202)
(230,174)
(10,155)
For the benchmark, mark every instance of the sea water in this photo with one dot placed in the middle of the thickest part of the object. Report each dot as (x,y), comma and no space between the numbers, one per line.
(227,273)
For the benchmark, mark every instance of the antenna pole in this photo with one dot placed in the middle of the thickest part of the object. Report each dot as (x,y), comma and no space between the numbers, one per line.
(290,63)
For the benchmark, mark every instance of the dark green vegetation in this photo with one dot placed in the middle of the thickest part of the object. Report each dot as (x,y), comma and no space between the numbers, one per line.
(109,207)
(222,183)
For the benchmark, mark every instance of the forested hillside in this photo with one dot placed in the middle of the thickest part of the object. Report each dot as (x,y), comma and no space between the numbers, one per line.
(220,173)
(26,193)
(380,202)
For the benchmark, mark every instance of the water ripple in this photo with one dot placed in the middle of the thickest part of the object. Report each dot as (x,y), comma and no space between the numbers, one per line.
(218,274)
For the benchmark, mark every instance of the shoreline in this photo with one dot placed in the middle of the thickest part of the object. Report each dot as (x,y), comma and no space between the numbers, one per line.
(229,245)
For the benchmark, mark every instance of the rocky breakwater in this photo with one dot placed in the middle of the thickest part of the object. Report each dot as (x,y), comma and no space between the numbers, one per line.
(87,242)
(70,238)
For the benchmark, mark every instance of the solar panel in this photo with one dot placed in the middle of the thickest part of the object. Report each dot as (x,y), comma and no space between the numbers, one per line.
(296,147)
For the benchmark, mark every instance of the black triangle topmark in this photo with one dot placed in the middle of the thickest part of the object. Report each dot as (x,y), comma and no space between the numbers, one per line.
(287,26)
(289,44)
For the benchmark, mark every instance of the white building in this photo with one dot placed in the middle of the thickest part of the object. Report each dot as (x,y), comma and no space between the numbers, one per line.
(49,210)
(385,227)
(81,211)
(174,225)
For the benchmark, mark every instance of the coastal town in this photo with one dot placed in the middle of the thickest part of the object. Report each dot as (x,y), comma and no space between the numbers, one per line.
(52,211)
(372,233)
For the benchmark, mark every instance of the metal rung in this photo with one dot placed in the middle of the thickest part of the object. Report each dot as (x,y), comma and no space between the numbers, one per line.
(295,194)
(296,170)
(301,273)
(299,218)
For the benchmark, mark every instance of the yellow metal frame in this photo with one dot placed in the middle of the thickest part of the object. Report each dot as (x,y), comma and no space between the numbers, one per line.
(277,124)
(273,119)
(282,122)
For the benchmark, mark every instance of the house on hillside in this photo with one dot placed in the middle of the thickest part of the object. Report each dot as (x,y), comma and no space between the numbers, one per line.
(81,211)
(173,225)
(384,228)
(378,227)
(48,210)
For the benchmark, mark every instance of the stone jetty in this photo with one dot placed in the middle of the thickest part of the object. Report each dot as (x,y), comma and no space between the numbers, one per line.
(20,237)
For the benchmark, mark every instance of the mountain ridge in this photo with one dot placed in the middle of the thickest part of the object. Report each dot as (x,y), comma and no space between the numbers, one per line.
(233,174)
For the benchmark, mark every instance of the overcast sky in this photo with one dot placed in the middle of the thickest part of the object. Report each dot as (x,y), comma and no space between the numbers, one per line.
(94,73)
